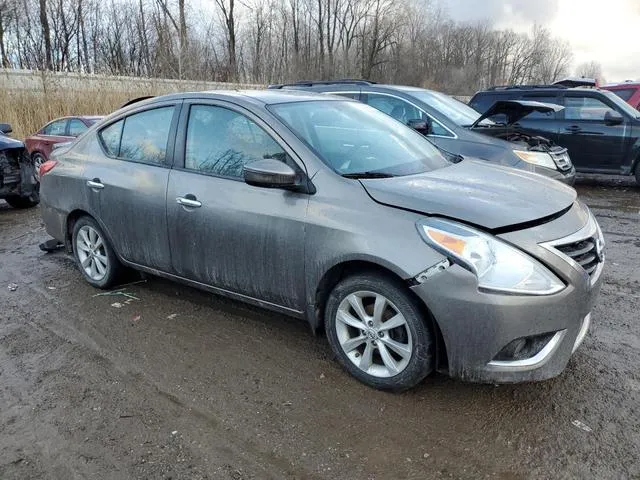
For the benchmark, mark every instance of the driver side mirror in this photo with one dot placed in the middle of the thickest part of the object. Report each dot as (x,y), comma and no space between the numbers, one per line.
(421,126)
(611,117)
(5,128)
(270,173)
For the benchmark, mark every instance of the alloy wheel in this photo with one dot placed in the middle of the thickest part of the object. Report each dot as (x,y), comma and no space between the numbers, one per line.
(374,334)
(91,253)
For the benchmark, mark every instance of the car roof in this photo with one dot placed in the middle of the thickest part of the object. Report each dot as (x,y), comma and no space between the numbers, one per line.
(535,88)
(262,97)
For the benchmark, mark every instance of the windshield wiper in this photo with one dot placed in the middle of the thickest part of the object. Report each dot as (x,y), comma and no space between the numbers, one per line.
(367,175)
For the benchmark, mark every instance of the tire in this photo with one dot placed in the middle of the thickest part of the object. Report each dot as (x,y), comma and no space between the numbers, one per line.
(353,341)
(638,173)
(101,268)
(24,202)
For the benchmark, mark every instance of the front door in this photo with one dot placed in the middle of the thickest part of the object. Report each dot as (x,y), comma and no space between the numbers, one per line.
(593,145)
(227,234)
(130,183)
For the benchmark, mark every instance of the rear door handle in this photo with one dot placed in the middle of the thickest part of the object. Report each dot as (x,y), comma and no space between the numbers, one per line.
(189,201)
(573,128)
(95,183)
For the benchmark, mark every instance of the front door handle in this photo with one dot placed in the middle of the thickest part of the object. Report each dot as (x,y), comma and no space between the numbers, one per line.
(95,184)
(573,129)
(189,201)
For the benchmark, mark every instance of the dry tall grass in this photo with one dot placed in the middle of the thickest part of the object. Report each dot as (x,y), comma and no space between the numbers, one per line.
(30,105)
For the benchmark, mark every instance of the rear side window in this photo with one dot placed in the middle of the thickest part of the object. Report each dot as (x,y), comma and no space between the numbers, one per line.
(625,93)
(541,115)
(76,127)
(482,102)
(56,128)
(221,142)
(141,137)
(145,135)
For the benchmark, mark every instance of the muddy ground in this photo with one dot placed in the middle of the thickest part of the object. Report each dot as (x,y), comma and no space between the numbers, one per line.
(181,384)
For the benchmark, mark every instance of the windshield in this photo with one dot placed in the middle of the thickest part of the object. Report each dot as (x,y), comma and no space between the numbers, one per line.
(355,139)
(461,113)
(622,105)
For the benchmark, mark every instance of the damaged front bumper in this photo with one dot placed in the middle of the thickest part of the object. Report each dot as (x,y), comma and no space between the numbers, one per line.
(17,174)
(498,338)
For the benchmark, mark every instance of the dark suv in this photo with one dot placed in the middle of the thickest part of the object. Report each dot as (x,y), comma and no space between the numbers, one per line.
(600,130)
(455,127)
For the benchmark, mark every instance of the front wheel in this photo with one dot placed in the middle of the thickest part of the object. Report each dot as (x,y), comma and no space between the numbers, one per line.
(95,258)
(378,332)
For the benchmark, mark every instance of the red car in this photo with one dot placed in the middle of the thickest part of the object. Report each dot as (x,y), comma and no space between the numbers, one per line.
(60,130)
(628,91)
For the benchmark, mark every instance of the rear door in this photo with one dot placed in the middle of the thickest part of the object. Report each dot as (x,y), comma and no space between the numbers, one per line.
(224,233)
(593,145)
(130,181)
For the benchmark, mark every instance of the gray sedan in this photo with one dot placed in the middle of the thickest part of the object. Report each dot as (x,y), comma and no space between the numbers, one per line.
(328,210)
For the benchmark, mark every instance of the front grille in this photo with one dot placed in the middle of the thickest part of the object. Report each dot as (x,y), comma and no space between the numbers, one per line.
(584,252)
(561,159)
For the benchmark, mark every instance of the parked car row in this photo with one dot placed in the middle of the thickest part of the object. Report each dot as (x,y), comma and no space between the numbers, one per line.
(410,257)
(600,130)
(457,128)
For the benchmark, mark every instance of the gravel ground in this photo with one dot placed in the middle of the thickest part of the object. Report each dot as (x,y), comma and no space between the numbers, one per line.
(181,384)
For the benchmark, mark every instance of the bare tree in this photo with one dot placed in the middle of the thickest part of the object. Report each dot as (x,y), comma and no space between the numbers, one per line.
(590,70)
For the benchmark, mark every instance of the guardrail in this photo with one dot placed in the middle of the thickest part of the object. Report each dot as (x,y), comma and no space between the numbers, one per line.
(46,81)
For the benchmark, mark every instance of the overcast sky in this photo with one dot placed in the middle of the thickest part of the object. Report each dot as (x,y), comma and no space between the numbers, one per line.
(605,31)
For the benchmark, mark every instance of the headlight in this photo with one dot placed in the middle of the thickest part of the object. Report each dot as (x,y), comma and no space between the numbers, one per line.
(498,266)
(537,158)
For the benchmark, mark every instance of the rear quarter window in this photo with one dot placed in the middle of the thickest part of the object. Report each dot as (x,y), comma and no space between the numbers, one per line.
(110,138)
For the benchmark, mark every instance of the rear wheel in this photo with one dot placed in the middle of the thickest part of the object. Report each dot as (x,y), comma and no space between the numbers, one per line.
(638,172)
(24,202)
(94,255)
(378,333)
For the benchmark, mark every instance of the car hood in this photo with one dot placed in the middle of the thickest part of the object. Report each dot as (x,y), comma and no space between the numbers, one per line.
(515,110)
(8,142)
(475,192)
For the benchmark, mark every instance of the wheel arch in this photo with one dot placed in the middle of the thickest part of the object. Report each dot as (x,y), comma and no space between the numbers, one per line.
(344,269)
(76,215)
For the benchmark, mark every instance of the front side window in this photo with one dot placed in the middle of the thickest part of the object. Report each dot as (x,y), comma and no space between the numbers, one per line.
(76,127)
(352,138)
(456,111)
(585,108)
(56,128)
(221,142)
(394,107)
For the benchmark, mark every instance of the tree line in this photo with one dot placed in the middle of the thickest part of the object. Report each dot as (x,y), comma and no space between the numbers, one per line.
(269,41)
